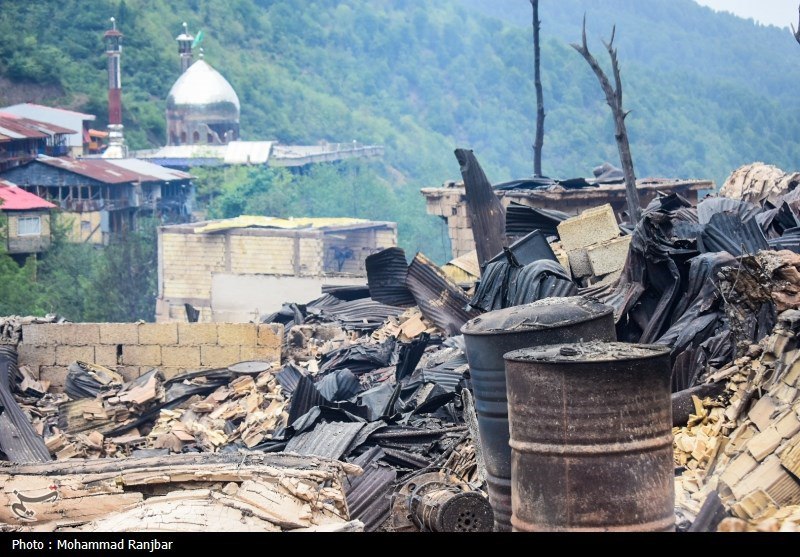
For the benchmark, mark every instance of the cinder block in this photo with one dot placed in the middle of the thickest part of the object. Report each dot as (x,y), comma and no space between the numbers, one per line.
(79,334)
(197,334)
(184,357)
(36,356)
(66,355)
(41,335)
(158,333)
(236,334)
(579,263)
(259,354)
(57,375)
(590,227)
(219,356)
(129,373)
(271,335)
(170,372)
(119,333)
(609,256)
(106,356)
(141,355)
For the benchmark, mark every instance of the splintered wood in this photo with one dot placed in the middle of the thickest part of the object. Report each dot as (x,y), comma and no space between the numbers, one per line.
(746,444)
(184,493)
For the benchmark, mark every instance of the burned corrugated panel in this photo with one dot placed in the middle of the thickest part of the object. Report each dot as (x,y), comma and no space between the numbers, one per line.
(789,241)
(360,358)
(487,214)
(715,205)
(711,514)
(410,355)
(521,220)
(439,299)
(368,495)
(362,315)
(347,293)
(19,442)
(339,385)
(288,378)
(329,440)
(304,398)
(386,276)
(447,379)
(727,232)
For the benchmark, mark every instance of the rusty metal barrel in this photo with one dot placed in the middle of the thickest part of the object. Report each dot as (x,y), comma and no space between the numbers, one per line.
(591,438)
(488,337)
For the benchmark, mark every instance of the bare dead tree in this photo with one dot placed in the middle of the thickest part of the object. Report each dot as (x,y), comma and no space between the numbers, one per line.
(538,143)
(614,99)
(796,31)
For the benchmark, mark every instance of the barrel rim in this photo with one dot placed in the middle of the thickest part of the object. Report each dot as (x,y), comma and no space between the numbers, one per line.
(659,351)
(535,327)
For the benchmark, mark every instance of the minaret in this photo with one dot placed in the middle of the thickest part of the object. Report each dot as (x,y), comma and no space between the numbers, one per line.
(116,142)
(185,43)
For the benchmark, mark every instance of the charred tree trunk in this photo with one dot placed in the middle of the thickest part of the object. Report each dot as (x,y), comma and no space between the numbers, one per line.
(537,61)
(614,99)
(796,31)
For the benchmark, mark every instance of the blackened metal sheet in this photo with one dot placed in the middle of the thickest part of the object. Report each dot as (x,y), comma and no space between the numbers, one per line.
(304,398)
(789,241)
(288,378)
(506,285)
(386,275)
(329,440)
(521,220)
(715,205)
(446,379)
(727,232)
(362,315)
(535,183)
(369,495)
(410,355)
(360,358)
(439,299)
(529,249)
(711,514)
(18,440)
(347,293)
(339,385)
(487,214)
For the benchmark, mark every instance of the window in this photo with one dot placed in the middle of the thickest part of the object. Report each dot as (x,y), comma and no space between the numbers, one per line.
(29,226)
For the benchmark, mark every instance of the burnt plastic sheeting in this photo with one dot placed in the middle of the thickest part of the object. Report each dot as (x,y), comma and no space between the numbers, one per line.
(386,276)
(529,249)
(727,232)
(521,220)
(19,442)
(439,299)
(347,293)
(487,214)
(368,495)
(360,358)
(339,385)
(410,355)
(505,284)
(711,206)
(326,440)
(304,398)
(288,378)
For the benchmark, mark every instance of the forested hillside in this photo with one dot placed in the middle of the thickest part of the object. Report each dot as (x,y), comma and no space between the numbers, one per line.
(708,92)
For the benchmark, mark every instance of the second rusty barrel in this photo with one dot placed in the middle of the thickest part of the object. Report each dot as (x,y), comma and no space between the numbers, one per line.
(487,338)
(591,437)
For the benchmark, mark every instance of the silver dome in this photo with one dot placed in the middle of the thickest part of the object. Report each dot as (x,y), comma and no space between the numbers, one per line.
(201,94)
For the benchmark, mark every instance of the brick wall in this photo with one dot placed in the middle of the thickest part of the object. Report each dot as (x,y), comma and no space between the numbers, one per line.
(135,348)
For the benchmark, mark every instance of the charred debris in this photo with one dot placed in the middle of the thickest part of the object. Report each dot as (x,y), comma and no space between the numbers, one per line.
(368,422)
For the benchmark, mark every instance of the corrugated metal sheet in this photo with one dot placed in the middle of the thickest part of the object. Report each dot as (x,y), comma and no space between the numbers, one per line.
(305,396)
(369,495)
(727,232)
(360,315)
(114,171)
(487,214)
(440,299)
(521,219)
(13,128)
(15,198)
(248,152)
(386,277)
(329,440)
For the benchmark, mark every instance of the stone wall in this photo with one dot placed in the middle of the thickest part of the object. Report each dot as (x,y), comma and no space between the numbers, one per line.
(135,348)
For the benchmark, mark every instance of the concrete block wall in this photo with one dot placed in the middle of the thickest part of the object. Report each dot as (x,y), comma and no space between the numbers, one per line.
(135,348)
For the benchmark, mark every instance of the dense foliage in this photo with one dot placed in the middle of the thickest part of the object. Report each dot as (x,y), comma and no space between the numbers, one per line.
(708,92)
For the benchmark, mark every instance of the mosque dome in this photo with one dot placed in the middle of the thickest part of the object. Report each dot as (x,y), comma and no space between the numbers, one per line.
(202,108)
